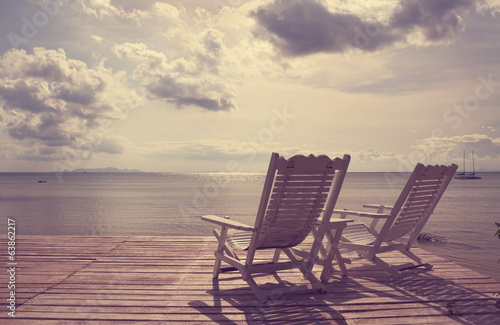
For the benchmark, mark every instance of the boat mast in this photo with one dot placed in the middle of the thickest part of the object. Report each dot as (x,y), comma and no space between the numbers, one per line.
(473,165)
(464,162)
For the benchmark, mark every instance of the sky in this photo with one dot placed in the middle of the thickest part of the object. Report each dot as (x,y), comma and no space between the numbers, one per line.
(218,85)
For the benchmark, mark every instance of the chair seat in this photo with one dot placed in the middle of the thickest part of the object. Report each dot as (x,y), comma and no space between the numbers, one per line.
(297,191)
(358,233)
(406,219)
(239,240)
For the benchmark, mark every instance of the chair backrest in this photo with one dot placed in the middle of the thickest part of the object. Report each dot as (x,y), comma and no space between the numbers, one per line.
(296,191)
(417,201)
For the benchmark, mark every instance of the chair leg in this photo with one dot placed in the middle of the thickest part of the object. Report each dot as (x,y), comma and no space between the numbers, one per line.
(322,250)
(276,256)
(228,249)
(377,261)
(216,268)
(255,289)
(220,249)
(333,253)
(306,271)
(418,260)
(409,254)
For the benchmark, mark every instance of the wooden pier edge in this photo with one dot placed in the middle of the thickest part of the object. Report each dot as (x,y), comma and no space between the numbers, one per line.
(147,280)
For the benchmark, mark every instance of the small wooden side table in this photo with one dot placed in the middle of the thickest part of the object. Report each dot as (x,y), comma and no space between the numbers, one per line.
(329,249)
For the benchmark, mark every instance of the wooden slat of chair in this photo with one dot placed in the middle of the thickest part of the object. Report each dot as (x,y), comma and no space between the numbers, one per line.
(408,216)
(295,193)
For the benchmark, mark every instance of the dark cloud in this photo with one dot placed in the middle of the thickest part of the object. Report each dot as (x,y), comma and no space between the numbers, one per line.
(438,20)
(83,96)
(48,101)
(305,27)
(302,27)
(205,93)
(22,95)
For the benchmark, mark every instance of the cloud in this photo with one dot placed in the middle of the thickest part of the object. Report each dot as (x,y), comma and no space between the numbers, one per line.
(210,53)
(434,151)
(436,20)
(150,61)
(492,6)
(51,104)
(300,27)
(100,8)
(445,150)
(96,38)
(183,82)
(371,155)
(103,9)
(205,93)
(133,5)
(137,11)
(203,148)
(184,67)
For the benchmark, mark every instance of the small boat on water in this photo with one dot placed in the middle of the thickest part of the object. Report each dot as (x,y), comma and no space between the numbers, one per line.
(465,175)
(42,181)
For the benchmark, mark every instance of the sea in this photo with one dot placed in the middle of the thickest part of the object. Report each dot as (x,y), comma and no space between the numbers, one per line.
(462,227)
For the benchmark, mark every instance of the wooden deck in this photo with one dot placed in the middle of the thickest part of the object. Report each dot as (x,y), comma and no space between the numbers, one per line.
(145,280)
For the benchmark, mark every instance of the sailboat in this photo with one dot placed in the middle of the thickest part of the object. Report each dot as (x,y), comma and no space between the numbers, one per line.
(469,175)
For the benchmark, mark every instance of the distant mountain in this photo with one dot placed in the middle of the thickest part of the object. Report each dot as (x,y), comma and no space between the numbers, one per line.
(106,170)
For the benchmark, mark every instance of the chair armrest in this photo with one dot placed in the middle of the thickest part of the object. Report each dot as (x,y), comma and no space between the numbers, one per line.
(337,223)
(340,220)
(362,214)
(377,206)
(227,223)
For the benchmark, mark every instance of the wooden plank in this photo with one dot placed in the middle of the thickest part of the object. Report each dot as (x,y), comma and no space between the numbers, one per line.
(148,279)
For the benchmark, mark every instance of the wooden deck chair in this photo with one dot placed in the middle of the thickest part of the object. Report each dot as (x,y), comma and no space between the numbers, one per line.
(296,191)
(403,222)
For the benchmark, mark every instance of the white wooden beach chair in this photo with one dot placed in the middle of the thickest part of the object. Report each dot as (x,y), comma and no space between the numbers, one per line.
(403,222)
(296,191)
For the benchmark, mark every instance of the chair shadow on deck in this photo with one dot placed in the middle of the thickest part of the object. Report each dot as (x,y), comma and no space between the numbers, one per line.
(366,294)
(442,297)
(300,308)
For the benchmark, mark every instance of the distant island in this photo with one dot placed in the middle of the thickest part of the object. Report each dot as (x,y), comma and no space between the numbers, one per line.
(106,170)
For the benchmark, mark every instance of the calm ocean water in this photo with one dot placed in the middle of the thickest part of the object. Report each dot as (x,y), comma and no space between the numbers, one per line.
(171,204)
